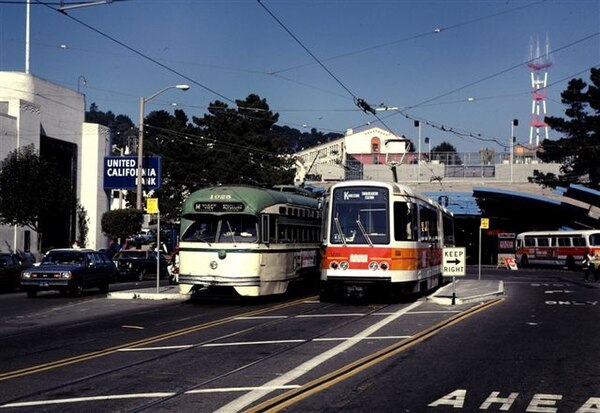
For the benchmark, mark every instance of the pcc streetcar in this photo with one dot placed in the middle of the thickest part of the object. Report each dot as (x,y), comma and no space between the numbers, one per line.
(379,235)
(252,240)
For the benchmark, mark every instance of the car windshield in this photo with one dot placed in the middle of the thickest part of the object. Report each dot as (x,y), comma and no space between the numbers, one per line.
(60,257)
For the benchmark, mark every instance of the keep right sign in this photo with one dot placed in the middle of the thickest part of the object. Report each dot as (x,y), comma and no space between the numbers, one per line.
(454,262)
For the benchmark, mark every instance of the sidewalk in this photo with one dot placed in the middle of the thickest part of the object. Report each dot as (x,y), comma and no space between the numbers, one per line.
(170,292)
(468,291)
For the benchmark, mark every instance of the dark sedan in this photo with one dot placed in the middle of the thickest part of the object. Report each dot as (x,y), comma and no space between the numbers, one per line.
(137,264)
(10,271)
(69,270)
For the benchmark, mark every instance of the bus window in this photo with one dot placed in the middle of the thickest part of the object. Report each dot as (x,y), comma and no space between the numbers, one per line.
(595,239)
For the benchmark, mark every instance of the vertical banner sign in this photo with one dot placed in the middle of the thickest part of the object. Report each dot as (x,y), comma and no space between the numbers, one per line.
(485,224)
(152,205)
(152,208)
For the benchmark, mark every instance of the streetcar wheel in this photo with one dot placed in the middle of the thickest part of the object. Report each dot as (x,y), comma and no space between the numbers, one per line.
(524,261)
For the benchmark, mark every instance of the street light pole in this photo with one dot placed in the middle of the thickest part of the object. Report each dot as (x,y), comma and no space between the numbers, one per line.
(515,122)
(140,148)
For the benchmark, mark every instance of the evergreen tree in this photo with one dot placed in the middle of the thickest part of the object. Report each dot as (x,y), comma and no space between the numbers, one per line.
(579,148)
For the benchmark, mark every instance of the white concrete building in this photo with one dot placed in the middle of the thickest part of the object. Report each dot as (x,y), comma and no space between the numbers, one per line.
(51,117)
(374,146)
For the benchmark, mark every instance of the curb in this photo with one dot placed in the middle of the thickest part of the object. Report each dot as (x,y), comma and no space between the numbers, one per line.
(444,295)
(141,295)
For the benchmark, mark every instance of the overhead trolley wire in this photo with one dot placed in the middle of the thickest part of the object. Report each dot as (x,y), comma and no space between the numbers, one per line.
(137,52)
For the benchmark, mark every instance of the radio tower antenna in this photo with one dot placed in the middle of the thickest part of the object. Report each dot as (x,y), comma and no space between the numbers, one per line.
(538,64)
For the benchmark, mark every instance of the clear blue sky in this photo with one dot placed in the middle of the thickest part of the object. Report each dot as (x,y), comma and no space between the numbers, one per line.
(380,51)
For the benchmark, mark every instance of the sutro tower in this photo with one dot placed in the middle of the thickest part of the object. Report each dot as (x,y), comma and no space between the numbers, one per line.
(538,64)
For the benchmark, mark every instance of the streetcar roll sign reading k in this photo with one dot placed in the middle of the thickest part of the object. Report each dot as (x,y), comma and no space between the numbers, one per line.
(454,262)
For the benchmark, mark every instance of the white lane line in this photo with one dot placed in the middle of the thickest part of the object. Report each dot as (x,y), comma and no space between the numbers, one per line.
(156,348)
(241,402)
(261,317)
(238,389)
(251,343)
(330,315)
(361,338)
(88,399)
(256,343)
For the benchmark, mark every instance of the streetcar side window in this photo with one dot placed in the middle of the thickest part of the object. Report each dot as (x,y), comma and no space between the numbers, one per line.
(529,241)
(543,242)
(404,221)
(564,242)
(429,227)
(579,242)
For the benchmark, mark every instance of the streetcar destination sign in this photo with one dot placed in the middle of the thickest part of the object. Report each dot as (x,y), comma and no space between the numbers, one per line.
(219,206)
(454,262)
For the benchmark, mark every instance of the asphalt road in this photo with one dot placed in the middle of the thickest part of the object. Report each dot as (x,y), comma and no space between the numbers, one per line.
(533,351)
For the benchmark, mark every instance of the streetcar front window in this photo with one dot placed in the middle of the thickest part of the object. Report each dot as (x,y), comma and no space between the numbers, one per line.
(360,216)
(238,228)
(203,229)
(222,229)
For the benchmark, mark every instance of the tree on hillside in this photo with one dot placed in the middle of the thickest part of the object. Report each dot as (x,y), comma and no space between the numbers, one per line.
(121,223)
(122,130)
(579,149)
(446,153)
(27,184)
(241,148)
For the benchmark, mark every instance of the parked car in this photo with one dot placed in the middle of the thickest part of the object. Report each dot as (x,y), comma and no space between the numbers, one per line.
(10,271)
(69,270)
(138,264)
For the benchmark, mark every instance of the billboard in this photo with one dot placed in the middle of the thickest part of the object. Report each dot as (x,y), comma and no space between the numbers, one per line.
(120,172)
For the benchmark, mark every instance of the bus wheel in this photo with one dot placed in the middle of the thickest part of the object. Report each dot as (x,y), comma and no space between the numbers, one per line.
(524,261)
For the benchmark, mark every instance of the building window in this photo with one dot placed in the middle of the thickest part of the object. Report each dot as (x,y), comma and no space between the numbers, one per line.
(375,144)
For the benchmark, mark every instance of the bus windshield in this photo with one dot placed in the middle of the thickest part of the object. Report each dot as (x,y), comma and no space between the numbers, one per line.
(222,229)
(360,216)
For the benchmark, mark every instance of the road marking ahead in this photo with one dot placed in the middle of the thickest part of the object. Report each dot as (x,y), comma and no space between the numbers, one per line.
(540,402)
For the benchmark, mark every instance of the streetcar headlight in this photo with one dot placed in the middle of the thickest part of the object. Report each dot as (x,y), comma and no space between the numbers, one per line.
(373,266)
(65,274)
(344,265)
(384,266)
(213,265)
(334,265)
(25,274)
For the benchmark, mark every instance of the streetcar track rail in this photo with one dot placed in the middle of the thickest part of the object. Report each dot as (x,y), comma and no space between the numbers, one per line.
(138,343)
(293,396)
(150,340)
(157,402)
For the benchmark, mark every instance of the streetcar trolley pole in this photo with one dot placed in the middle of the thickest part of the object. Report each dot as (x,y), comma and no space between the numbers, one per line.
(454,265)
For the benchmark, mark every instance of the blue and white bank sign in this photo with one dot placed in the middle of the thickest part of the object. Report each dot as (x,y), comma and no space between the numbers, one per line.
(120,172)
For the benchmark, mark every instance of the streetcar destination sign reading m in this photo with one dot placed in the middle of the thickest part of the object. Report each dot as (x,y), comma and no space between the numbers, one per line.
(454,262)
